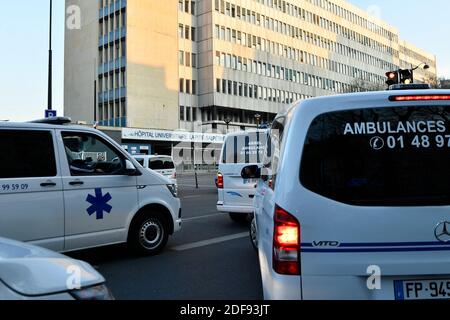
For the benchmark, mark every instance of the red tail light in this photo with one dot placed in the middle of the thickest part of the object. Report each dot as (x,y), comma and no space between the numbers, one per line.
(286,243)
(174,175)
(219,181)
(432,97)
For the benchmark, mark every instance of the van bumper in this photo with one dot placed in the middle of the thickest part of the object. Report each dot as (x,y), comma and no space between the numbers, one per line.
(234,209)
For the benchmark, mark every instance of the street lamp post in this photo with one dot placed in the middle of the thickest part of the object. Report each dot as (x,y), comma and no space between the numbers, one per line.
(50,68)
(227,122)
(258,120)
(425,67)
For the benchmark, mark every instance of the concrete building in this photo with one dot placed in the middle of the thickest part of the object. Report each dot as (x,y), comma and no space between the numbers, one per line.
(196,65)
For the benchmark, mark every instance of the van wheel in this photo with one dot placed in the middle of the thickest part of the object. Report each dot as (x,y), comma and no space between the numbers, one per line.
(148,235)
(239,217)
(254,234)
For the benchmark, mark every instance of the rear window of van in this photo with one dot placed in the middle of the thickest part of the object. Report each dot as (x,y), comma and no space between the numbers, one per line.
(161,164)
(245,149)
(380,157)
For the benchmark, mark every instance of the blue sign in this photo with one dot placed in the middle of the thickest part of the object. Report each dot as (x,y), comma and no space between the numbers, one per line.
(99,204)
(50,114)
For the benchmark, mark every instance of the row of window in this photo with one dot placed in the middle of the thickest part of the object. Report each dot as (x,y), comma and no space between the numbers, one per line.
(335,9)
(415,55)
(289,30)
(112,110)
(188,114)
(187,6)
(259,92)
(258,43)
(187,32)
(112,51)
(187,59)
(279,72)
(110,82)
(188,86)
(112,23)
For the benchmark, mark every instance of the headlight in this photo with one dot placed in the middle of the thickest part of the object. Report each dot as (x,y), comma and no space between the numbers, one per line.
(173,189)
(100,292)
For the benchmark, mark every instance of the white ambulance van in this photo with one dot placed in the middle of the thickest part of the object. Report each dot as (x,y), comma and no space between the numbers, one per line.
(355,201)
(66,187)
(235,194)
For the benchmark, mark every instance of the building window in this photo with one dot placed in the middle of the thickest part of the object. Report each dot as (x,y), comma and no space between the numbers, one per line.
(181,57)
(182,113)
(188,86)
(188,59)
(193,35)
(194,114)
(180,5)
(218,85)
(181,31)
(194,60)
(193,7)
(186,6)
(194,86)
(186,32)
(181,85)
(188,114)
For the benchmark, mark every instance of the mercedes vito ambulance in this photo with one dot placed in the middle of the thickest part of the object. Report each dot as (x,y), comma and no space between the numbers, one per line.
(67,187)
(355,200)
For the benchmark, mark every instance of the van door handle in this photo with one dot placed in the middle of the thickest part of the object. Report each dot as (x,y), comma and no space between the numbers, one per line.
(76,183)
(48,184)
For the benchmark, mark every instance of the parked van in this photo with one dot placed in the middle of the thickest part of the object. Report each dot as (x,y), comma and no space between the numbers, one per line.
(355,200)
(235,193)
(67,187)
(164,165)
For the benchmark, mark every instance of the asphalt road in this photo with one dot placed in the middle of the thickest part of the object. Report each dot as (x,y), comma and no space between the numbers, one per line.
(210,259)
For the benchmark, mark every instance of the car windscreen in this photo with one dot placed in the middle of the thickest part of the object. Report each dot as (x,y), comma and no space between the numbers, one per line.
(380,157)
(245,149)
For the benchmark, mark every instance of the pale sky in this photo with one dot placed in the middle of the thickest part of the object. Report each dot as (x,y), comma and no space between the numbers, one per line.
(24,52)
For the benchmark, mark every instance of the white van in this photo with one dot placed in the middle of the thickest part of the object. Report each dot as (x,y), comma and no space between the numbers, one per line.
(28,272)
(164,165)
(354,202)
(235,193)
(68,187)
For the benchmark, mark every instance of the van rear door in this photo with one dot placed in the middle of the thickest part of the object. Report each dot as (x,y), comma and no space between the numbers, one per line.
(375,197)
(240,151)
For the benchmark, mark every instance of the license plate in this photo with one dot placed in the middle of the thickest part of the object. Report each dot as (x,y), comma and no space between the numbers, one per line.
(250,181)
(422,289)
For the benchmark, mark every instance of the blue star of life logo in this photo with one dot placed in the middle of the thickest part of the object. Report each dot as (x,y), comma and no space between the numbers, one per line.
(99,203)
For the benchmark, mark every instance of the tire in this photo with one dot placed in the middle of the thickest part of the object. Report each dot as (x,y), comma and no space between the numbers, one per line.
(241,218)
(253,230)
(149,235)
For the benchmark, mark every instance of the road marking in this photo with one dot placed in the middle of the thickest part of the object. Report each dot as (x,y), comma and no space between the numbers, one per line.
(191,197)
(204,217)
(209,242)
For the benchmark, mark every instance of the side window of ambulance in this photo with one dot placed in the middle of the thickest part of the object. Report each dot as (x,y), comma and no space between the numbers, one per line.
(27,154)
(89,155)
(272,154)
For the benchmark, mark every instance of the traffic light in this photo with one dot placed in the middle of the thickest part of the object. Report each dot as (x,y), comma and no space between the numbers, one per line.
(392,78)
(406,76)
